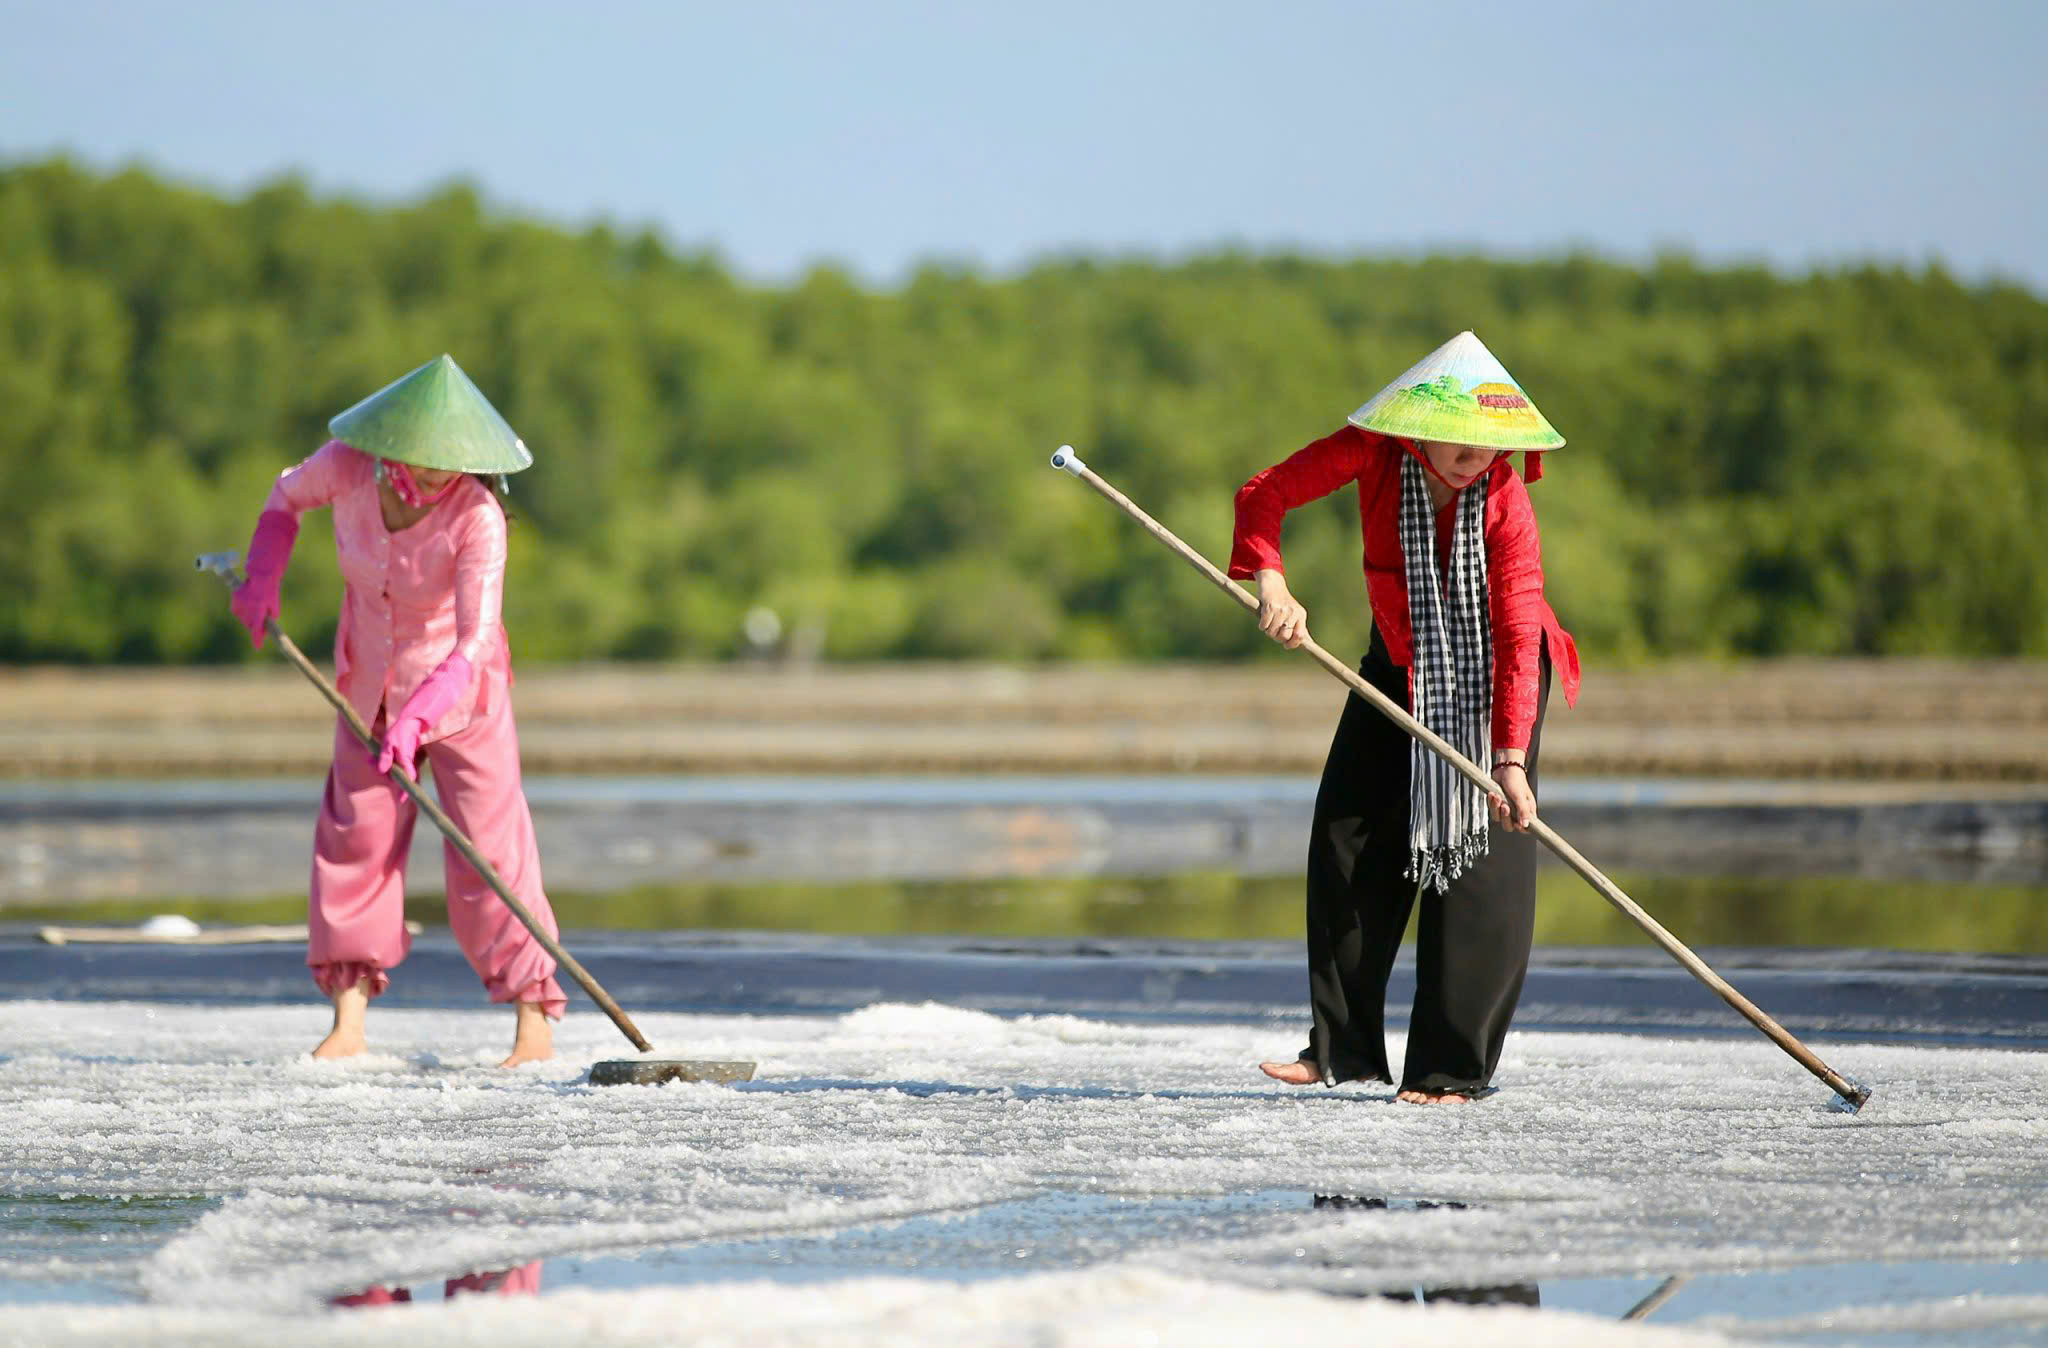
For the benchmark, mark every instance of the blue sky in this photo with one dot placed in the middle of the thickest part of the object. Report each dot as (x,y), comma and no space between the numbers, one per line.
(879,134)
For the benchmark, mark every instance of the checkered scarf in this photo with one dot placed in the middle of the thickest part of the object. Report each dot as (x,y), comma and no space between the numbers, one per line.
(1452,677)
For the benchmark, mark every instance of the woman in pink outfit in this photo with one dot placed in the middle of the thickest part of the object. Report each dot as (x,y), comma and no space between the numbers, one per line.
(421,656)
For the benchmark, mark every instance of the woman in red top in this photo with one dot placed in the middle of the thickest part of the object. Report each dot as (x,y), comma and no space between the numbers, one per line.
(1463,638)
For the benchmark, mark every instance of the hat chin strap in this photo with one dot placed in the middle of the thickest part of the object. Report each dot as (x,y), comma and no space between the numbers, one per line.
(1415,448)
(407,486)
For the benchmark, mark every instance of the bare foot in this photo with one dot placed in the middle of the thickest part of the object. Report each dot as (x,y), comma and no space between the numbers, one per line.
(534,1040)
(1300,1072)
(346,1039)
(1434,1098)
(342,1043)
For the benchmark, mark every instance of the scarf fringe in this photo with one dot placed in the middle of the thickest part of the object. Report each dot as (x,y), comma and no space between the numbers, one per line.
(1435,867)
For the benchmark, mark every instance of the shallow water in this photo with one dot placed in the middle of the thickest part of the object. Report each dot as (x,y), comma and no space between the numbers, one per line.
(65,842)
(1187,789)
(1816,912)
(101,1238)
(1073,1230)
(176,1172)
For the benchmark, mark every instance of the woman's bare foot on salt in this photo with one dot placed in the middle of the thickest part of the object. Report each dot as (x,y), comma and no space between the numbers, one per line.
(1434,1098)
(346,1039)
(1300,1072)
(342,1044)
(534,1039)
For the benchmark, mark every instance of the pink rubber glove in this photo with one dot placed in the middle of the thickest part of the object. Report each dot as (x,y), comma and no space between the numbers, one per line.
(254,601)
(429,703)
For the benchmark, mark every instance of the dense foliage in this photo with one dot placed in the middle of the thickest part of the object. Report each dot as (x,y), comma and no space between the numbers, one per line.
(1848,462)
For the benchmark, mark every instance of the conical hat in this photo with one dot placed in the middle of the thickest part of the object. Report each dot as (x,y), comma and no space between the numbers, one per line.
(1459,393)
(434,418)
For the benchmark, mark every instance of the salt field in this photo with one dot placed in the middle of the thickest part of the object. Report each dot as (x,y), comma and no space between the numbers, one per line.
(934,1151)
(1011,1137)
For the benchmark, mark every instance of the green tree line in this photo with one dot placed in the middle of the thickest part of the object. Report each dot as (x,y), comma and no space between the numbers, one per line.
(1846,462)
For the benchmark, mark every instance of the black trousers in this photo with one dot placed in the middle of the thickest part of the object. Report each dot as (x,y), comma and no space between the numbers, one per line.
(1471,942)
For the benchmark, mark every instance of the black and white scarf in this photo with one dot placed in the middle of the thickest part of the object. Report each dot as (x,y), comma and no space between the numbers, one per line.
(1452,677)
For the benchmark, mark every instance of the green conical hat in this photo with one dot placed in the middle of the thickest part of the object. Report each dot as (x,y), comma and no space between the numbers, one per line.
(1459,393)
(434,418)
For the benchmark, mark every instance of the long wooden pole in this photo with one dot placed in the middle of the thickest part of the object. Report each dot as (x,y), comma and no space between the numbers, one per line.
(1848,1091)
(223,565)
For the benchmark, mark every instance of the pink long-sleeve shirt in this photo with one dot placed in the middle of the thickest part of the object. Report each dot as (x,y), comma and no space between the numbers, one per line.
(413,597)
(1522,620)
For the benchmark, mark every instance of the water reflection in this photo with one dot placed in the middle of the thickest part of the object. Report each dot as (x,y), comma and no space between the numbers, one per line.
(521,1281)
(1504,1294)
(1510,1294)
(1347,1201)
(1662,1293)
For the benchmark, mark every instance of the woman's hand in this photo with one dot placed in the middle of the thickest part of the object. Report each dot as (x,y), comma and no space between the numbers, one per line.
(1281,617)
(1514,808)
(254,604)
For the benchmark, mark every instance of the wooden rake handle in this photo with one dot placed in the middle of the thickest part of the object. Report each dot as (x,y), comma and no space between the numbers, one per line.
(1849,1093)
(223,565)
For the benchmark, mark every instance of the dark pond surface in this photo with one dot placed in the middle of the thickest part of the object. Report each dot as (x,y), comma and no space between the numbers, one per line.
(1899,996)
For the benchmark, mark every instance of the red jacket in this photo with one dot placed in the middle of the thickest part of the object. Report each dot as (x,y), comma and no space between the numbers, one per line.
(1522,619)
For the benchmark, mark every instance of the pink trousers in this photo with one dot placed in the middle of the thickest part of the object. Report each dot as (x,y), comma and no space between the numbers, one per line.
(356,916)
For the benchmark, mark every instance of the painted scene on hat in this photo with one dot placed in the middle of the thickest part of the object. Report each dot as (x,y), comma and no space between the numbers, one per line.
(1459,393)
